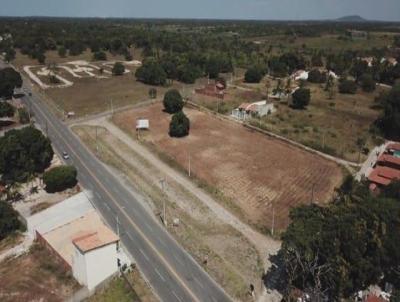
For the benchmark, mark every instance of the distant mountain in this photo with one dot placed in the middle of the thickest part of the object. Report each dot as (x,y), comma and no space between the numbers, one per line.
(353,18)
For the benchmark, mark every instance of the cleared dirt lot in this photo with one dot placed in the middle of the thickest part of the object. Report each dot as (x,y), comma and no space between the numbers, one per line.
(255,172)
(35,277)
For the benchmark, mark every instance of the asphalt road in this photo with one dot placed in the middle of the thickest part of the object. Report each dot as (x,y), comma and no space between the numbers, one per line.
(172,273)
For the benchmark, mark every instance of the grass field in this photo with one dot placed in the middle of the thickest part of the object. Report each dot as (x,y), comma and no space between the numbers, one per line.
(256,173)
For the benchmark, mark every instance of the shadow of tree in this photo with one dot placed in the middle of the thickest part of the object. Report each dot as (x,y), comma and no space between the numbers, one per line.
(275,277)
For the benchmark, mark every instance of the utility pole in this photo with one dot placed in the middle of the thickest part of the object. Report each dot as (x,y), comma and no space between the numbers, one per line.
(189,164)
(273,220)
(162,181)
(112,107)
(312,193)
(97,145)
(47,129)
(118,225)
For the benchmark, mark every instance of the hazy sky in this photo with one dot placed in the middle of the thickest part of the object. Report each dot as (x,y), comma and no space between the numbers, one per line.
(218,9)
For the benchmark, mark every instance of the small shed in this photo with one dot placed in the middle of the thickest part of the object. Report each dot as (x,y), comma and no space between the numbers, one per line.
(142,124)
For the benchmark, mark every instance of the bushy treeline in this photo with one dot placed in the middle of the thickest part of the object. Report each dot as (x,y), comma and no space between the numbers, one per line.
(331,252)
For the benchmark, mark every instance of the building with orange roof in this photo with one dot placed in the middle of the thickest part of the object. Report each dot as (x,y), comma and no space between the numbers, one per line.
(77,236)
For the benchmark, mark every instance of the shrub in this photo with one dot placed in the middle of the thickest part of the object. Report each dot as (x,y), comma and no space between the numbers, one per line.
(9,221)
(60,178)
(23,115)
(100,56)
(118,69)
(6,109)
(180,125)
(253,75)
(367,82)
(301,98)
(315,76)
(173,101)
(347,86)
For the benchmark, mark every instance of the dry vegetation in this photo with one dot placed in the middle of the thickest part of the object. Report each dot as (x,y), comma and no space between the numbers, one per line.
(119,290)
(35,276)
(252,171)
(233,260)
(332,125)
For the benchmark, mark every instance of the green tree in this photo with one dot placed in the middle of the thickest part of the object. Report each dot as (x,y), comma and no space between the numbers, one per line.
(10,55)
(173,101)
(23,153)
(315,76)
(60,178)
(23,115)
(389,121)
(253,75)
(9,80)
(180,125)
(151,73)
(301,98)
(153,93)
(118,69)
(367,82)
(9,221)
(100,56)
(62,51)
(6,109)
(347,86)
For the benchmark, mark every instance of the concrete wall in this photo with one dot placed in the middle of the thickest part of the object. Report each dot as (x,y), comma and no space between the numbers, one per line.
(95,266)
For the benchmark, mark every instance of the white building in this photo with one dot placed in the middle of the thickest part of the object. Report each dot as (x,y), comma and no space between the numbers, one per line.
(300,75)
(79,239)
(257,109)
(92,249)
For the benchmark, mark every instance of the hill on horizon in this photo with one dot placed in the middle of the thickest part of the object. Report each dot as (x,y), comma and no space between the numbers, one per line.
(352,18)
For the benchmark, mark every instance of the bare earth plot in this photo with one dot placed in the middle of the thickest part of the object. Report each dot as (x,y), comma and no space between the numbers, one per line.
(257,173)
(34,277)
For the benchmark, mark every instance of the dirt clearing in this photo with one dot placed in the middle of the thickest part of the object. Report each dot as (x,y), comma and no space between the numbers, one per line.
(255,173)
(35,277)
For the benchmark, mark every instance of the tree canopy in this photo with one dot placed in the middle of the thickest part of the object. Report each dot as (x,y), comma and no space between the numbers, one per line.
(253,75)
(118,69)
(151,73)
(173,101)
(60,178)
(333,251)
(6,109)
(180,125)
(389,121)
(9,80)
(301,98)
(347,86)
(9,221)
(23,153)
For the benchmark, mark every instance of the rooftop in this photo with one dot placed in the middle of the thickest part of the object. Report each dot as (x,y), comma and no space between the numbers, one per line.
(383,175)
(386,158)
(94,240)
(86,233)
(394,146)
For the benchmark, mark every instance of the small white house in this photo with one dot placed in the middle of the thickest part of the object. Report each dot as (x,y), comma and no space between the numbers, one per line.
(95,257)
(247,110)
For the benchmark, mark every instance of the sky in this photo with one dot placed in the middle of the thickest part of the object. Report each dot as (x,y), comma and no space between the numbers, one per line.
(209,9)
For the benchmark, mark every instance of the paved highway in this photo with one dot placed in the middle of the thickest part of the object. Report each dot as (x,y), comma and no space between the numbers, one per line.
(172,273)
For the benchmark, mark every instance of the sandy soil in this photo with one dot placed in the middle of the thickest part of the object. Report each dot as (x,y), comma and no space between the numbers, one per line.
(257,173)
